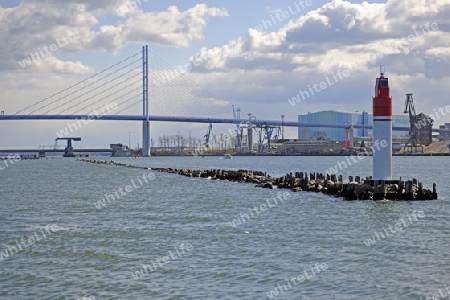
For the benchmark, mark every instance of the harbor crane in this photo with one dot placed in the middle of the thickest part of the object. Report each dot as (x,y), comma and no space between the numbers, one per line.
(265,133)
(412,142)
(238,130)
(68,151)
(208,135)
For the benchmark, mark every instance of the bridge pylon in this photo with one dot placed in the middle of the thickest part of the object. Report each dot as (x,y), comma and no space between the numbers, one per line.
(146,122)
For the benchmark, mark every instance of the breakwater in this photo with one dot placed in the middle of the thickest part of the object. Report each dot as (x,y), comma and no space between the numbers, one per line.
(356,188)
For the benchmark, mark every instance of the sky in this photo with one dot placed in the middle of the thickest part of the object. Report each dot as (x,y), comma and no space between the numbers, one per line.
(288,58)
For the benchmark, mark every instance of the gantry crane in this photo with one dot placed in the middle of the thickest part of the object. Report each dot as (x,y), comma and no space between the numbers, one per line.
(238,129)
(412,142)
(208,135)
(265,133)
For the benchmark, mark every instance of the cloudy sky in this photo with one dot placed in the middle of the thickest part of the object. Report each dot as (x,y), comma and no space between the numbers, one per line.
(255,55)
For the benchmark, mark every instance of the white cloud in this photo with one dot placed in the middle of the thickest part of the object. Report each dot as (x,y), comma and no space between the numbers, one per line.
(171,28)
(272,10)
(33,25)
(272,67)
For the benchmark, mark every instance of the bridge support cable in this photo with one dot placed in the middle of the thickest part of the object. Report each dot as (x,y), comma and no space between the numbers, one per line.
(118,105)
(75,85)
(99,89)
(132,104)
(189,98)
(185,100)
(134,97)
(93,90)
(109,91)
(113,92)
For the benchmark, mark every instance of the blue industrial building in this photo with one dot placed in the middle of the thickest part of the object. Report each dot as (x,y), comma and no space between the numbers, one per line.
(338,117)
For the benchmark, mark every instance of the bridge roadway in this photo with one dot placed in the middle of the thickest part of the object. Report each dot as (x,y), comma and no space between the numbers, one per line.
(80,119)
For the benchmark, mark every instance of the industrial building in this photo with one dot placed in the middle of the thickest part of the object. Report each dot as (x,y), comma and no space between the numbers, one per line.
(120,150)
(338,117)
(306,147)
(444,135)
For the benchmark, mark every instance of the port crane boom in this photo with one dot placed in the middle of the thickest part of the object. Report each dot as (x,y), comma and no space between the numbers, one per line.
(412,142)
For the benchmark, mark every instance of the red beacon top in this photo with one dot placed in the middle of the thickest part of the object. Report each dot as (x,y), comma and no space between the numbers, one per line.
(382,87)
(382,102)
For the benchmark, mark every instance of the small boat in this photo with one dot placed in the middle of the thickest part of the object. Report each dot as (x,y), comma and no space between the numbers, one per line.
(227,156)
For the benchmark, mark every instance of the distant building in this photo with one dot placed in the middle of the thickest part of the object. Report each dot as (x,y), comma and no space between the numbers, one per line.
(444,135)
(306,147)
(119,150)
(339,134)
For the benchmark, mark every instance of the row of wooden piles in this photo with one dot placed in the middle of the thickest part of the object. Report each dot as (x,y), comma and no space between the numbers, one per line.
(355,189)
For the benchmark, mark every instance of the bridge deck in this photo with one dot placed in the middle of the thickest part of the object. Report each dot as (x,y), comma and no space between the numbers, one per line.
(90,118)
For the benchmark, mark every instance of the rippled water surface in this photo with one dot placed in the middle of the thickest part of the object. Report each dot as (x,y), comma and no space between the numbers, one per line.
(182,230)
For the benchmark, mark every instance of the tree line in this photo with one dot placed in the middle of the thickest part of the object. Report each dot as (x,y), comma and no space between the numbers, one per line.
(217,142)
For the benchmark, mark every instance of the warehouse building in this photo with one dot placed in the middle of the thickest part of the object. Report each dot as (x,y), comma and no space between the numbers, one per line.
(338,117)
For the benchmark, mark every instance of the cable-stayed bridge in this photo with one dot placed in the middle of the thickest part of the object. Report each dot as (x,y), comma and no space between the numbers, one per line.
(110,95)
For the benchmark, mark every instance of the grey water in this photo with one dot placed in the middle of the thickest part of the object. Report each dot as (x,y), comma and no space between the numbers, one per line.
(308,246)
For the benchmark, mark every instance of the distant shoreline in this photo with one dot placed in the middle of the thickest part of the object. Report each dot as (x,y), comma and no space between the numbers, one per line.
(291,154)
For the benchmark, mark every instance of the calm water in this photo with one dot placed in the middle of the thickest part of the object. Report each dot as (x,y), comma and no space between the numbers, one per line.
(180,229)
